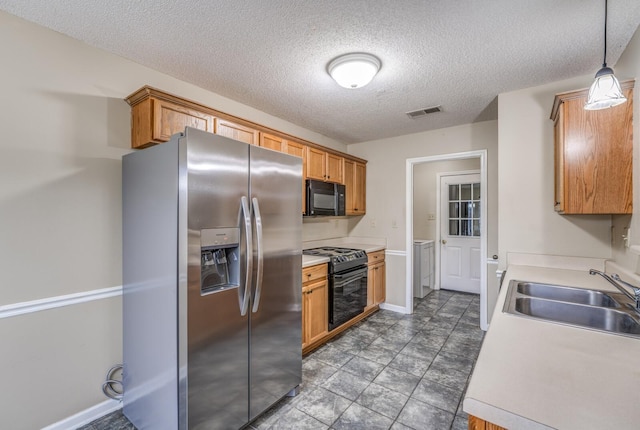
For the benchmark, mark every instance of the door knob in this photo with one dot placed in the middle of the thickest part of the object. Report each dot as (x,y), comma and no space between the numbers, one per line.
(444,241)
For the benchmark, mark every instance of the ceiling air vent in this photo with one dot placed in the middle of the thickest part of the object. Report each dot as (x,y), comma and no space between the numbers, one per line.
(423,112)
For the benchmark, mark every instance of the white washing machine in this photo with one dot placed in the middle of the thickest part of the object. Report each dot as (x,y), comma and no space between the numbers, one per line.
(423,267)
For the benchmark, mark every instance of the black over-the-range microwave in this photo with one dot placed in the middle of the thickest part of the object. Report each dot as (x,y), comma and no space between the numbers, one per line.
(325,198)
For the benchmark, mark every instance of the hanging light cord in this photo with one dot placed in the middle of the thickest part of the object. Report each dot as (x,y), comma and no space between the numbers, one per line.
(604,61)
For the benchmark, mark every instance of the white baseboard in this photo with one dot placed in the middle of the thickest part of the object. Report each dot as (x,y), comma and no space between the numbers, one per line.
(86,416)
(394,308)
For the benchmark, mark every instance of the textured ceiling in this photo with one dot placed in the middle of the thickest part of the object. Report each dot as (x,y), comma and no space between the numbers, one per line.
(272,55)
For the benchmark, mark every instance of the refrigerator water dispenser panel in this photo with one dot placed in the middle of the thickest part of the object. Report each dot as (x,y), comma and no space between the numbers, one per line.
(219,259)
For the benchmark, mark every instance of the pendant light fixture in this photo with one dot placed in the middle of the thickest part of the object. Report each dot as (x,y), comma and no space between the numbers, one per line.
(354,70)
(605,92)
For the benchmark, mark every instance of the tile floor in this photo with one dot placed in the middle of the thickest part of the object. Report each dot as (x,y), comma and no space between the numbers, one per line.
(391,371)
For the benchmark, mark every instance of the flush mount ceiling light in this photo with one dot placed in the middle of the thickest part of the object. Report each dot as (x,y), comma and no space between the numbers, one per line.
(353,70)
(605,92)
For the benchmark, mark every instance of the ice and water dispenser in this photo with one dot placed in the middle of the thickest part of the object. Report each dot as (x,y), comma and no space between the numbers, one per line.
(219,259)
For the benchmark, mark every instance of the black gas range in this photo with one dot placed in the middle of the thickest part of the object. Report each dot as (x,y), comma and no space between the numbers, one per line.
(347,282)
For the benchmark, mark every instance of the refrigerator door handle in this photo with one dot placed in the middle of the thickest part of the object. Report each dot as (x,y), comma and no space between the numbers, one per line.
(243,296)
(258,218)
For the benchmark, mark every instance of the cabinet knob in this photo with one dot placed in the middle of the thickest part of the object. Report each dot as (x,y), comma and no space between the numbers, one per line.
(444,241)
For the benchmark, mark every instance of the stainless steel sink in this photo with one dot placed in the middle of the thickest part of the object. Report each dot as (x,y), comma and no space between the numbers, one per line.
(591,309)
(567,294)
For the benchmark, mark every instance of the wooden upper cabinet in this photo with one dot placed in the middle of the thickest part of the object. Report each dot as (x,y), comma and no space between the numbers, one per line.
(335,167)
(157,115)
(593,155)
(324,166)
(155,121)
(273,142)
(299,150)
(355,175)
(236,131)
(316,164)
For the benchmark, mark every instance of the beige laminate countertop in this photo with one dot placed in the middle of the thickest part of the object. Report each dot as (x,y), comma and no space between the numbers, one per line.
(533,374)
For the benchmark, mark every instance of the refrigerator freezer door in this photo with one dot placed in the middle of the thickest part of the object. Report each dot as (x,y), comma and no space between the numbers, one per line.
(216,338)
(276,309)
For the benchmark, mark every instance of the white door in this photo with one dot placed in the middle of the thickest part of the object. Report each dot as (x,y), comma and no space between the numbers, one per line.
(460,232)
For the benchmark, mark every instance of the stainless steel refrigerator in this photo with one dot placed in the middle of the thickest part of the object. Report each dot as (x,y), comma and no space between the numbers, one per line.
(212,267)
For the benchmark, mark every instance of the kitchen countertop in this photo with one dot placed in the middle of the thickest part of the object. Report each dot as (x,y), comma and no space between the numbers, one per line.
(533,374)
(369,245)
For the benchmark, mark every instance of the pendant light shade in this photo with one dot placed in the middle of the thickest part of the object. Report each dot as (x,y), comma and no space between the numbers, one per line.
(605,92)
(353,70)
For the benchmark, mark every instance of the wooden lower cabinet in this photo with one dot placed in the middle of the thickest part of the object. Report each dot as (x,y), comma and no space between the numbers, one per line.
(315,304)
(476,423)
(315,316)
(376,283)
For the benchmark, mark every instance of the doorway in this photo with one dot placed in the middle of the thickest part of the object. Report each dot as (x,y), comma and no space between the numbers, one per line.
(412,163)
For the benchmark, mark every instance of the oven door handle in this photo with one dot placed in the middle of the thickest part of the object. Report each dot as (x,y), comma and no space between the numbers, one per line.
(345,278)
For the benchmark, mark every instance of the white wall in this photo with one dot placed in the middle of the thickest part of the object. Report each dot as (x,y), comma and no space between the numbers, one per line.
(425,187)
(528,222)
(628,67)
(65,127)
(386,205)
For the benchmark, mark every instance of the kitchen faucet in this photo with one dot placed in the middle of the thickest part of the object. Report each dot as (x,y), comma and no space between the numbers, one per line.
(615,280)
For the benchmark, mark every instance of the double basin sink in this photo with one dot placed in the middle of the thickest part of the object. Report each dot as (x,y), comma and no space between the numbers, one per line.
(592,309)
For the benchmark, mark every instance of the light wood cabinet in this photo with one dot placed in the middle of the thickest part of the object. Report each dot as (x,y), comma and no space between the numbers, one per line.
(155,121)
(355,175)
(476,423)
(315,313)
(376,288)
(273,142)
(236,131)
(157,115)
(593,155)
(335,167)
(299,150)
(324,166)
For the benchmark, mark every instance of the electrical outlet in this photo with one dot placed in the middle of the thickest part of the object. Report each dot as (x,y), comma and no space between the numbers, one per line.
(394,223)
(431,217)
(373,223)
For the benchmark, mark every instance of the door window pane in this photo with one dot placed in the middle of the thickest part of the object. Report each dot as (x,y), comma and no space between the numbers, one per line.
(465,228)
(465,191)
(453,192)
(454,228)
(476,227)
(454,210)
(476,191)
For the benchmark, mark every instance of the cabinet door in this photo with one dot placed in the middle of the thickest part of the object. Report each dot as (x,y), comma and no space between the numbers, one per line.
(349,185)
(558,130)
(170,118)
(354,181)
(316,164)
(299,150)
(379,289)
(236,131)
(593,155)
(272,142)
(360,189)
(334,168)
(316,311)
